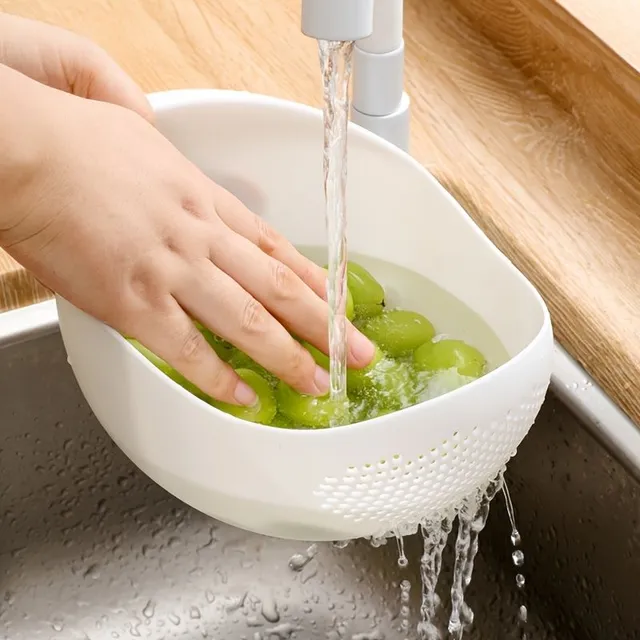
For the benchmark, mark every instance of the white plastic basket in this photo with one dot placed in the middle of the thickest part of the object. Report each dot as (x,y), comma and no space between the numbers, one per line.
(358,480)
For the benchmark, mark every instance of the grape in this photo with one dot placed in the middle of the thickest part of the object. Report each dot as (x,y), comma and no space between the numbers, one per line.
(368,310)
(281,422)
(398,332)
(263,411)
(223,348)
(447,354)
(322,359)
(240,360)
(363,286)
(356,378)
(349,309)
(394,386)
(307,411)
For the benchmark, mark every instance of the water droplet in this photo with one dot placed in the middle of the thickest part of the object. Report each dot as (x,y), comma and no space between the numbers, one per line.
(210,596)
(174,619)
(194,613)
(270,609)
(378,541)
(149,609)
(523,613)
(520,581)
(57,626)
(298,561)
(516,540)
(93,572)
(341,544)
(236,603)
(402,558)
(518,558)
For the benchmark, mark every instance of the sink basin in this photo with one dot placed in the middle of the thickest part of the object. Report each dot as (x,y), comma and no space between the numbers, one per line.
(90,549)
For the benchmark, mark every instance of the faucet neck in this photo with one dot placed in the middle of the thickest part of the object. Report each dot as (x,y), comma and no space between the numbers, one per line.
(379,102)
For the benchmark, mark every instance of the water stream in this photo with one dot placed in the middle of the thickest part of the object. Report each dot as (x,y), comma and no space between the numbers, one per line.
(335,64)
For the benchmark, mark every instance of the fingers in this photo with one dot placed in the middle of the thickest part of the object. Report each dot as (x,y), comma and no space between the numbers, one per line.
(227,309)
(174,338)
(246,223)
(69,62)
(285,295)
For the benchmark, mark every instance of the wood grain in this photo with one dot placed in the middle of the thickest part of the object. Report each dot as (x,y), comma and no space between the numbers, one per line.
(504,121)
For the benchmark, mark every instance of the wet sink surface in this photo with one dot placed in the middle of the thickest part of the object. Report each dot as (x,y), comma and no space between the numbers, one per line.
(91,549)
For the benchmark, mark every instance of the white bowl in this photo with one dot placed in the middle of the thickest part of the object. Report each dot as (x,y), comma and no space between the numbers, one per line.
(357,480)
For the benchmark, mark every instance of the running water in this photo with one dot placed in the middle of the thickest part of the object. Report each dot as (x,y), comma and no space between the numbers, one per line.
(517,556)
(472,518)
(335,64)
(435,534)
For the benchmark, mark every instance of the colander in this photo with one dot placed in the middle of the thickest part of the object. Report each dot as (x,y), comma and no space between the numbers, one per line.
(354,481)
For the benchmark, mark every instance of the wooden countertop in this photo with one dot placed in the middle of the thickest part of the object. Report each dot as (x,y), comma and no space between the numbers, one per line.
(527,117)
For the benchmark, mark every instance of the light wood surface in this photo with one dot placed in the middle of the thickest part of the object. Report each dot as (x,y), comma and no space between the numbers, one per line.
(529,120)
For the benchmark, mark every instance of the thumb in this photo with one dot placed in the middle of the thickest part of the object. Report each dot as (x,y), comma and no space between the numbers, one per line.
(66,61)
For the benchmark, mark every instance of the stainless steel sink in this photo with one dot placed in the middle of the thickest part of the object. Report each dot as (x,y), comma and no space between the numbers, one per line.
(91,549)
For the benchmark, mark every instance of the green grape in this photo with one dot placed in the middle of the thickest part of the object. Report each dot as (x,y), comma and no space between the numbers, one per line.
(322,359)
(447,354)
(356,378)
(349,309)
(282,422)
(169,371)
(398,332)
(240,360)
(363,286)
(367,310)
(394,386)
(223,348)
(263,411)
(307,411)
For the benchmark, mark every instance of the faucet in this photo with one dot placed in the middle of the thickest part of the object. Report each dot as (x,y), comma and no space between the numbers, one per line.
(378,101)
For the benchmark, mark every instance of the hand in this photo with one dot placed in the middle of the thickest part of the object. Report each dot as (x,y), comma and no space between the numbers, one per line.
(119,223)
(66,61)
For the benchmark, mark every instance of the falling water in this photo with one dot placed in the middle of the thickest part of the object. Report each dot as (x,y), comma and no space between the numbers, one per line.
(517,556)
(472,518)
(472,515)
(335,64)
(435,534)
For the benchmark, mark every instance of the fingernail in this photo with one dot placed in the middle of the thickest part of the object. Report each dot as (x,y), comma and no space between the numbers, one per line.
(321,379)
(245,395)
(361,348)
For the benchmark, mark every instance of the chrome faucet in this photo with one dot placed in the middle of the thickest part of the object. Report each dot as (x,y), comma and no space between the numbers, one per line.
(378,102)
